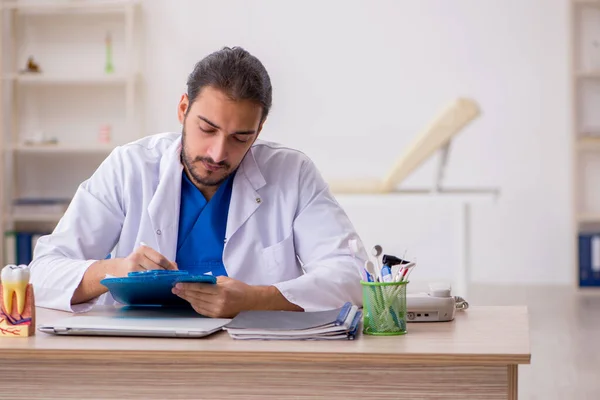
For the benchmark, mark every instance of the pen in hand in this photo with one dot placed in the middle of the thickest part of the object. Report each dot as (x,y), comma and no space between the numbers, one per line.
(150,259)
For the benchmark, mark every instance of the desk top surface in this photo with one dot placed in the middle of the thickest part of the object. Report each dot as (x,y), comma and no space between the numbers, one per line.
(482,335)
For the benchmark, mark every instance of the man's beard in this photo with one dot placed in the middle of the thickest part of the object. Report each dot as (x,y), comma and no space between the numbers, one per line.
(193,170)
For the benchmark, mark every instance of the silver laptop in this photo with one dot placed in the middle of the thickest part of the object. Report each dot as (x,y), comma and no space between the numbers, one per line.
(136,324)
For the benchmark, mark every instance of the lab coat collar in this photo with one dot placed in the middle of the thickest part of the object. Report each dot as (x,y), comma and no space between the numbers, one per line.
(167,197)
(245,199)
(251,171)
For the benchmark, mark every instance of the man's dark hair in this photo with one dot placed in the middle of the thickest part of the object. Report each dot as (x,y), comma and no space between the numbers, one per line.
(237,73)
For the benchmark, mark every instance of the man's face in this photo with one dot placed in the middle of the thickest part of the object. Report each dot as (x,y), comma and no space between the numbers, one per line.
(217,134)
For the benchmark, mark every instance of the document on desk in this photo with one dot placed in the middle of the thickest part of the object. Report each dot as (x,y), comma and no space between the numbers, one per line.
(340,323)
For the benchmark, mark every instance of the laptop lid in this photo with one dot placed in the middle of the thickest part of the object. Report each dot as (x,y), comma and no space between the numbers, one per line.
(151,326)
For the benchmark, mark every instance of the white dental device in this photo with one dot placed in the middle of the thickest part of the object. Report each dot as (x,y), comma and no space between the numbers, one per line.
(437,305)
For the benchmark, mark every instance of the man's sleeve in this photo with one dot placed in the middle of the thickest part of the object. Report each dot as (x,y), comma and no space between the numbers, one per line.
(87,232)
(321,234)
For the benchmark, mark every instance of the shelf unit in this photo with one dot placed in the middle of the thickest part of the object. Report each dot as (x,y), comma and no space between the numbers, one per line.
(52,218)
(37,7)
(588,75)
(56,80)
(71,100)
(589,3)
(61,149)
(588,144)
(585,82)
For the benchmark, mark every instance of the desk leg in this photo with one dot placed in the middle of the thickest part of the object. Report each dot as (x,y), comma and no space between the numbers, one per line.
(513,382)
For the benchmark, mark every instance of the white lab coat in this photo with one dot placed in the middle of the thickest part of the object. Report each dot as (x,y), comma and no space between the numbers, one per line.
(284,226)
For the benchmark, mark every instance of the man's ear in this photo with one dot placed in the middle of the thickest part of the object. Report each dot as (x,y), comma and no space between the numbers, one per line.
(182,107)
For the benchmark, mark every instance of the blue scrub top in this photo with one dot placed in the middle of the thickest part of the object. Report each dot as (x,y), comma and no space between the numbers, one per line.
(202,226)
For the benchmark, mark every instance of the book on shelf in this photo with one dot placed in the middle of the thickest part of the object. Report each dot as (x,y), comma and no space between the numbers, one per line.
(20,245)
(589,259)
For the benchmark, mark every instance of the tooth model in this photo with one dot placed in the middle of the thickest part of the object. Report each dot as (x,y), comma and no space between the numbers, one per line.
(17,306)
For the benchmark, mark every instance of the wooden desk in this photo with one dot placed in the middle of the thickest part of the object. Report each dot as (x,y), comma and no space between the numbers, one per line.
(474,357)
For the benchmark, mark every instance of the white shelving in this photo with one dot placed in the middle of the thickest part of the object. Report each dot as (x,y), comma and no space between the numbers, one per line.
(52,218)
(585,47)
(43,79)
(70,102)
(591,3)
(588,74)
(589,218)
(69,7)
(588,144)
(62,149)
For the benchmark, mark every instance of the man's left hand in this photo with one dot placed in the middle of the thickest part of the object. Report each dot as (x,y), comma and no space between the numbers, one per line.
(223,300)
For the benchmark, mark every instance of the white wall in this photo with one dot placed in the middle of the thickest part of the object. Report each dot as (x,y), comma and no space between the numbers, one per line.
(366,76)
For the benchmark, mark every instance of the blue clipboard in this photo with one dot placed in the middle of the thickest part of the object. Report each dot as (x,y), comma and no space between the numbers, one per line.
(152,288)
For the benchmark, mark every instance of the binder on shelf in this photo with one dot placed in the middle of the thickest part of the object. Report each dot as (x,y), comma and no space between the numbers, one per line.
(589,259)
(24,248)
(19,246)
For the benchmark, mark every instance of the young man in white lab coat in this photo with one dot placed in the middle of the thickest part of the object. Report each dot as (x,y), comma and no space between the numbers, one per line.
(275,235)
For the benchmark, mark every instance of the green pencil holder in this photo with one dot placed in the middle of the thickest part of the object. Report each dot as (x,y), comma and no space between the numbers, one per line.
(384,308)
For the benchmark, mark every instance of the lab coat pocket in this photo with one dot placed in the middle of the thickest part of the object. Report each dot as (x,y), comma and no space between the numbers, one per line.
(280,259)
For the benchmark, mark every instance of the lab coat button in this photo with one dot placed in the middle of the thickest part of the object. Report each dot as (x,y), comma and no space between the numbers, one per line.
(158,232)
(258,200)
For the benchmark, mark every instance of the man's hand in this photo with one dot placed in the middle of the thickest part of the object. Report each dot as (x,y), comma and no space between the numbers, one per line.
(142,259)
(229,296)
(223,300)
